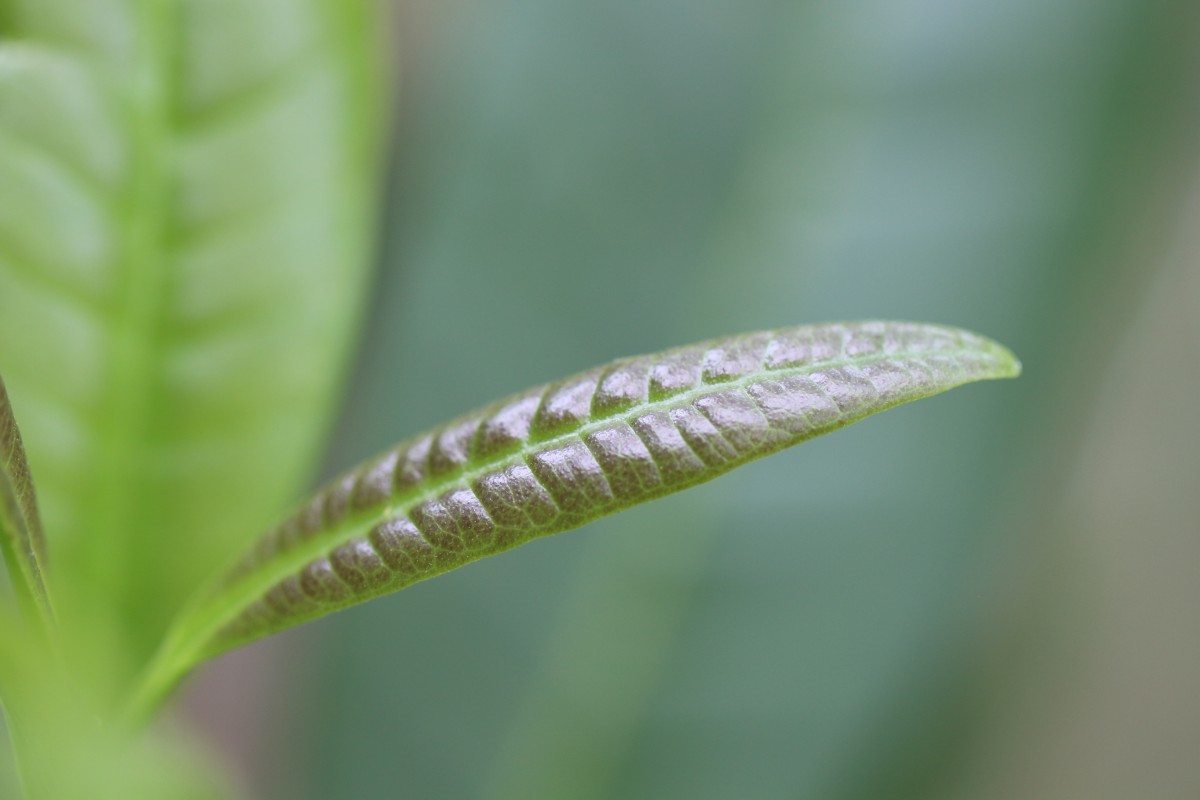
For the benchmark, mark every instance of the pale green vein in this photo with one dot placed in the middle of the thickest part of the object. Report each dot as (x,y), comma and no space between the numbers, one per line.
(225,605)
(76,173)
(255,98)
(46,282)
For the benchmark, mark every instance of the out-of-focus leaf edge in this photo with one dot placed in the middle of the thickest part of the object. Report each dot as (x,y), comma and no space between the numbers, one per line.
(21,539)
(558,456)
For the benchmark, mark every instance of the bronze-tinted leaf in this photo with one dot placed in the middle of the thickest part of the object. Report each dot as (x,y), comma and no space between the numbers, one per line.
(591,445)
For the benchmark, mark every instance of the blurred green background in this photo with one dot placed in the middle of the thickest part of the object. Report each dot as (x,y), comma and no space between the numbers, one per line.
(990,594)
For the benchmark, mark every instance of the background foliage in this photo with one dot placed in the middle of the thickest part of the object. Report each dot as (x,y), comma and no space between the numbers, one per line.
(981,596)
(986,595)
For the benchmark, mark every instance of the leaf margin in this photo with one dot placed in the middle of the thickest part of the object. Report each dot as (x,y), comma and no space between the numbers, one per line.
(22,541)
(196,636)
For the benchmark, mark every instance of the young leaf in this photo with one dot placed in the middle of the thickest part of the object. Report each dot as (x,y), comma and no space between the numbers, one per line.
(185,206)
(21,541)
(558,456)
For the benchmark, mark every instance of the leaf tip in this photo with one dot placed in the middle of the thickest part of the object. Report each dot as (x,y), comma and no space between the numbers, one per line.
(1007,363)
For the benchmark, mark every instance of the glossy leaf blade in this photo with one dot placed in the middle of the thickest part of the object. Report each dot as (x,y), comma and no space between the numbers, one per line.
(21,539)
(558,456)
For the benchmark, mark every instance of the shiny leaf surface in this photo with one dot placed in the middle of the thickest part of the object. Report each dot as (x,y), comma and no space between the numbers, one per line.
(558,456)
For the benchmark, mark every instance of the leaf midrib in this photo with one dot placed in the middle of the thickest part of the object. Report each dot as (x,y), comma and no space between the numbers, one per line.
(226,603)
(137,346)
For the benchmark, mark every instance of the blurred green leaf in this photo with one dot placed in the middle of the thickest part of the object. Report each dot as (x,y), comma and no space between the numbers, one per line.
(185,201)
(65,751)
